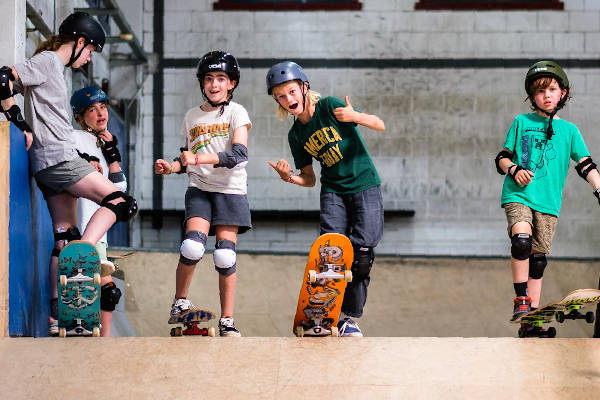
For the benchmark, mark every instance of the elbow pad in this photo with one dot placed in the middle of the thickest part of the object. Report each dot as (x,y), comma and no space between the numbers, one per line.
(500,156)
(118,178)
(584,168)
(6,76)
(238,155)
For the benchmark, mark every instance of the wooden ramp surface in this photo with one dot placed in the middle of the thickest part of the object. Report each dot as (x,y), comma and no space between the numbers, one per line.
(294,368)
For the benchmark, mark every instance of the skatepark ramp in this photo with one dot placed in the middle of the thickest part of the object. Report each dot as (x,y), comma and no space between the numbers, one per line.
(299,368)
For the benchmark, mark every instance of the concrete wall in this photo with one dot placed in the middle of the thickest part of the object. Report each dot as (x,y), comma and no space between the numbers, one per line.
(445,121)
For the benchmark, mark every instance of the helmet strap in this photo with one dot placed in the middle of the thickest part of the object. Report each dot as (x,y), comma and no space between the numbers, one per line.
(73,56)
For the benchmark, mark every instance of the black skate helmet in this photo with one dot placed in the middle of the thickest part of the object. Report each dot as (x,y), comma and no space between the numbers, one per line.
(82,25)
(218,61)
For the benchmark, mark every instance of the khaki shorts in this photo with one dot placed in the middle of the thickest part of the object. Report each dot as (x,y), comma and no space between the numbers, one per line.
(543,225)
(56,179)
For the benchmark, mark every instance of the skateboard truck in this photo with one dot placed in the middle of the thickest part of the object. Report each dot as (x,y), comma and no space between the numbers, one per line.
(573,313)
(535,329)
(330,271)
(192,329)
(79,330)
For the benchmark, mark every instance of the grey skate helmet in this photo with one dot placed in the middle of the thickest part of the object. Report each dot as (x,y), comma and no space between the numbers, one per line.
(82,25)
(284,72)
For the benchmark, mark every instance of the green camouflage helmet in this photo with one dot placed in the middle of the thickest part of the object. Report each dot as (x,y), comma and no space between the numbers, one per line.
(546,68)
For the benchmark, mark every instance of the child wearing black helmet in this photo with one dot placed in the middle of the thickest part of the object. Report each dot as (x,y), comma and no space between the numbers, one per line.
(351,203)
(214,156)
(59,171)
(535,157)
(96,145)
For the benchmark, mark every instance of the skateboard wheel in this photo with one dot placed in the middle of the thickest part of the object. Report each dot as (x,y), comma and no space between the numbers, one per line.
(62,332)
(96,279)
(178,331)
(589,317)
(299,331)
(211,332)
(560,317)
(96,332)
(551,332)
(334,331)
(63,280)
(522,332)
(312,276)
(348,275)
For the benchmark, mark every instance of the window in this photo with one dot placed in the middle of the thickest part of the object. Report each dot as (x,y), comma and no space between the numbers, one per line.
(489,5)
(288,5)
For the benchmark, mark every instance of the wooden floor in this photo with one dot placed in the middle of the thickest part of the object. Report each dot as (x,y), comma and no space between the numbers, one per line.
(294,368)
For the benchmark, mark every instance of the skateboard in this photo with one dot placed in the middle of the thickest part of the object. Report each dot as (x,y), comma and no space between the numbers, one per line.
(322,292)
(79,290)
(567,308)
(190,321)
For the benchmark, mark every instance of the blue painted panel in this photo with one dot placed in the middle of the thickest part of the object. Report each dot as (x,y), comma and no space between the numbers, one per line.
(118,234)
(30,243)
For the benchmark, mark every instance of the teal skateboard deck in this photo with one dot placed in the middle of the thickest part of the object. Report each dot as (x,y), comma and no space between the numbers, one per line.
(567,308)
(79,290)
(190,320)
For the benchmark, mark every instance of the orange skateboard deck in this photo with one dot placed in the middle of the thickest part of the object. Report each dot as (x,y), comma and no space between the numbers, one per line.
(322,292)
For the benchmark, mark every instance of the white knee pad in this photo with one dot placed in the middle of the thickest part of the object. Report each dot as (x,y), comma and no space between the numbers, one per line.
(192,248)
(224,258)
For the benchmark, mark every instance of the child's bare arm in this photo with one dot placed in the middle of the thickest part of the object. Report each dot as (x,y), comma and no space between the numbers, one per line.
(349,114)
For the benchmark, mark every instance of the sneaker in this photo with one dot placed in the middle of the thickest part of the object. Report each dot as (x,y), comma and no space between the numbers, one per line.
(227,327)
(53,328)
(347,327)
(522,306)
(107,268)
(180,306)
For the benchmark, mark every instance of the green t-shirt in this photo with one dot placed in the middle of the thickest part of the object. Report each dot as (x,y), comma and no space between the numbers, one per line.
(346,166)
(548,160)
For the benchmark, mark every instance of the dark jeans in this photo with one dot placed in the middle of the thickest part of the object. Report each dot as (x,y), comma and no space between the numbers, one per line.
(360,217)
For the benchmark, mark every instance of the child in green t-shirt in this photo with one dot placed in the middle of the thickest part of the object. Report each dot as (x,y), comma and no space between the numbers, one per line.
(351,203)
(535,158)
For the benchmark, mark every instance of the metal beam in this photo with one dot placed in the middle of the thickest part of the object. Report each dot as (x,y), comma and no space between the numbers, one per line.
(37,20)
(125,28)
(97,11)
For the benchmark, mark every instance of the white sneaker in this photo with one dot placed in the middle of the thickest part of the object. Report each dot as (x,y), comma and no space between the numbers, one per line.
(227,327)
(53,328)
(180,306)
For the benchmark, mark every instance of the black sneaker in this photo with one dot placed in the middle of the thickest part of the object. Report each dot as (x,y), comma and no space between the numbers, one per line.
(522,307)
(227,327)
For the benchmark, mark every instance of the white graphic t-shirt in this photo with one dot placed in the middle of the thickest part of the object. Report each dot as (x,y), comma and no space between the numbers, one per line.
(209,132)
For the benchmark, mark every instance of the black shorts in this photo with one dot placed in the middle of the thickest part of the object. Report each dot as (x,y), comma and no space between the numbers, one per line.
(218,209)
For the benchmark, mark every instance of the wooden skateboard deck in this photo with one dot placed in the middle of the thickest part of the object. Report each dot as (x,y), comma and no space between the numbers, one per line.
(567,308)
(190,321)
(322,292)
(79,290)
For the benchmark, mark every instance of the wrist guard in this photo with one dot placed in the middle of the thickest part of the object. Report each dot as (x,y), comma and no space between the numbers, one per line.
(6,76)
(183,168)
(517,169)
(14,115)
(597,194)
(111,152)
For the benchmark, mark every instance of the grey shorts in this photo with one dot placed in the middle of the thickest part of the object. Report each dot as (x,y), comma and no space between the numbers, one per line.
(56,179)
(218,209)
(543,225)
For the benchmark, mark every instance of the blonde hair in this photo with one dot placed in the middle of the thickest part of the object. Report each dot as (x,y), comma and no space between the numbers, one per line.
(53,43)
(312,98)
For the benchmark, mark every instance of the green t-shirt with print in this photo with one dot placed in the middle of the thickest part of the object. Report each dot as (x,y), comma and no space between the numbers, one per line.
(346,166)
(547,159)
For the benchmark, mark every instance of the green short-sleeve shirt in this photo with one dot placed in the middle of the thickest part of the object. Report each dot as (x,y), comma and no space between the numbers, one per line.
(346,166)
(548,160)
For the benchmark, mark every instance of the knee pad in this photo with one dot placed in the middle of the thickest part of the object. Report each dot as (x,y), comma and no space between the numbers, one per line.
(124,210)
(66,234)
(192,248)
(109,296)
(520,246)
(537,264)
(363,261)
(225,257)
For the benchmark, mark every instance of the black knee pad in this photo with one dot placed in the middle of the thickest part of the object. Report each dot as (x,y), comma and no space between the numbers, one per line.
(109,296)
(124,210)
(521,246)
(363,261)
(67,235)
(537,264)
